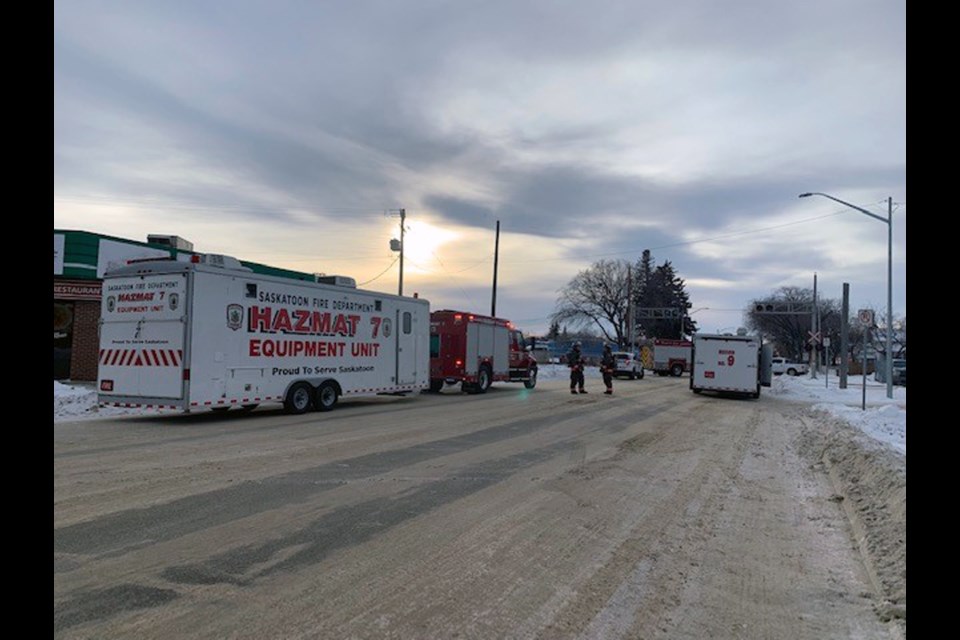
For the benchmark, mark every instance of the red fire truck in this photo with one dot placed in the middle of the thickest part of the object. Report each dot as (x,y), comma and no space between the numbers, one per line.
(668,357)
(476,350)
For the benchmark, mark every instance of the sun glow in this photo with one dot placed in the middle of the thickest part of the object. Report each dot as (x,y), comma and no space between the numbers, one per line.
(422,242)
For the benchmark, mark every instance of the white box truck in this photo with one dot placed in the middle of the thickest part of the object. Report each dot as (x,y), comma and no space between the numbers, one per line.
(211,334)
(730,364)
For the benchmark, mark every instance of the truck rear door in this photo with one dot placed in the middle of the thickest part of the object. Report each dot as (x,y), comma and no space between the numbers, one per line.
(142,337)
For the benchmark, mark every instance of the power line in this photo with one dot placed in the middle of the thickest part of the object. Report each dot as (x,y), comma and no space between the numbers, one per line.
(381,273)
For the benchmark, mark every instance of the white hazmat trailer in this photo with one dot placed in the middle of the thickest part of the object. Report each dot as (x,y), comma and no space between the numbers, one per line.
(211,334)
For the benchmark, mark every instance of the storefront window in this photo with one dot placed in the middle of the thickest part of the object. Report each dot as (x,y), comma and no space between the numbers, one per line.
(62,339)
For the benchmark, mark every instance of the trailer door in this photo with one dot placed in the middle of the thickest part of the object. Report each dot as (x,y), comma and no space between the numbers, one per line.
(142,336)
(407,346)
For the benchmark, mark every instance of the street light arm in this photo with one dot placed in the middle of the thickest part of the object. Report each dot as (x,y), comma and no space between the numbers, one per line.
(852,206)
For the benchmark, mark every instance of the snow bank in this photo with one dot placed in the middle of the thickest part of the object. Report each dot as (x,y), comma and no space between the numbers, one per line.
(79,402)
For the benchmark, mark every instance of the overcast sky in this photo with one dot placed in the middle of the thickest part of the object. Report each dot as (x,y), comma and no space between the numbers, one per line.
(286,132)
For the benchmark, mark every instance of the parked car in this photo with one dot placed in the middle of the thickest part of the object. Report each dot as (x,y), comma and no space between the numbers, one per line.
(628,364)
(780,365)
(900,372)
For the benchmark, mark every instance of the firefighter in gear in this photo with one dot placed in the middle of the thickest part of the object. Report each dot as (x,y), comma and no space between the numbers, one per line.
(607,366)
(575,362)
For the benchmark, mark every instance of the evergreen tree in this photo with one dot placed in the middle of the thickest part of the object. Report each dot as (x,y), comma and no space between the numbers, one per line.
(660,288)
(554,330)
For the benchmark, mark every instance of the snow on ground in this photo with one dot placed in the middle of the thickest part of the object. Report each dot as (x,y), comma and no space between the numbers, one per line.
(883,419)
(79,402)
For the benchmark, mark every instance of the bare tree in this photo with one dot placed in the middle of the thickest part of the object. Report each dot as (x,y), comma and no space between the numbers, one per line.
(597,297)
(789,332)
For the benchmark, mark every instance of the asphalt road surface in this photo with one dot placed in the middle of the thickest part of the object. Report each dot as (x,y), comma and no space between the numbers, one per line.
(654,513)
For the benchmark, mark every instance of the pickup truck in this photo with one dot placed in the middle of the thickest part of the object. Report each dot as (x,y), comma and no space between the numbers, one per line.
(783,365)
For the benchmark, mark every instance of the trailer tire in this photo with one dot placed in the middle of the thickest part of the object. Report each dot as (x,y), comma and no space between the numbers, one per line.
(676,369)
(299,398)
(531,380)
(327,396)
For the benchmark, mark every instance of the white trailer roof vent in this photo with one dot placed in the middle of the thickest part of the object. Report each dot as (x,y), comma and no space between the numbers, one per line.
(218,260)
(175,242)
(340,281)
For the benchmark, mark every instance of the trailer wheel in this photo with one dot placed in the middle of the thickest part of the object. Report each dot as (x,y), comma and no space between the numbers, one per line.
(299,399)
(531,382)
(676,369)
(327,396)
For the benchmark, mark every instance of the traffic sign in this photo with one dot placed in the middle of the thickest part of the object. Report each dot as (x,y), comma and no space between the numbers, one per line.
(866,317)
(814,337)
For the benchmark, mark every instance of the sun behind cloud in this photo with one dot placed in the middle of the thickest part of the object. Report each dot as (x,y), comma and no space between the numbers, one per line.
(422,242)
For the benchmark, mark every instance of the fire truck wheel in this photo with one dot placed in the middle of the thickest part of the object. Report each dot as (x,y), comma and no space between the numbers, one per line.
(299,399)
(531,382)
(484,379)
(327,396)
(676,370)
(436,386)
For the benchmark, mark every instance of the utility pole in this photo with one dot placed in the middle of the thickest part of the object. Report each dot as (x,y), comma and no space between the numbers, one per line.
(889,362)
(844,330)
(397,245)
(813,325)
(630,321)
(403,218)
(496,256)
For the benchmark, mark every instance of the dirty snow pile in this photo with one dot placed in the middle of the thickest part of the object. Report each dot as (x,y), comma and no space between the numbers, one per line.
(72,401)
(78,401)
(883,419)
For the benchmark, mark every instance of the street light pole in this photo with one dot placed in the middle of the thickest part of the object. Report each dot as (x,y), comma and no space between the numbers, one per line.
(888,365)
